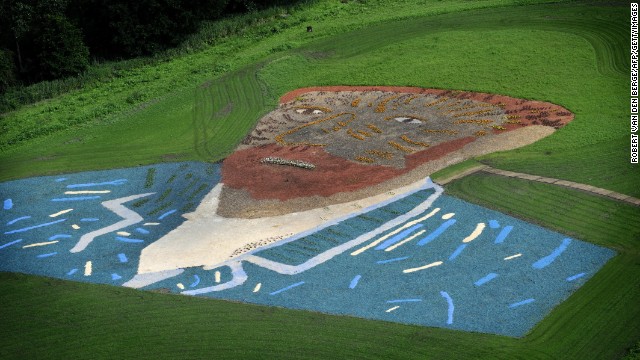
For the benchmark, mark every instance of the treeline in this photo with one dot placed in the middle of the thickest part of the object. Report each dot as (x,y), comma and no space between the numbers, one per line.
(52,39)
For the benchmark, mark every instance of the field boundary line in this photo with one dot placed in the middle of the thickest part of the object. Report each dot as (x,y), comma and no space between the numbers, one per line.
(570,184)
(461,174)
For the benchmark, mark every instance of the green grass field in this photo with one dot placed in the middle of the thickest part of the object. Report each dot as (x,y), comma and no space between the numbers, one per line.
(198,106)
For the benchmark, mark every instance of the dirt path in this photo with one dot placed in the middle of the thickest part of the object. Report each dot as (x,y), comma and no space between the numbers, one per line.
(570,184)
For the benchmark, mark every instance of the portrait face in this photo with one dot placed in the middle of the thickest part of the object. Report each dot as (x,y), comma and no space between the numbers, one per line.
(325,141)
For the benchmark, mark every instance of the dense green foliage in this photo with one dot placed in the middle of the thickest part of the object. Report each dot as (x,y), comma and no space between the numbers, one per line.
(54,39)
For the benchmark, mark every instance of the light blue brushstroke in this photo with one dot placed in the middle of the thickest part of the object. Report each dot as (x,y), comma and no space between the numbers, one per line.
(196,281)
(115,276)
(142,231)
(392,260)
(89,219)
(10,243)
(436,233)
(59,236)
(545,261)
(115,182)
(61,179)
(494,224)
(354,281)
(445,295)
(457,252)
(486,279)
(520,303)
(18,219)
(287,288)
(397,238)
(166,214)
(576,276)
(77,198)
(123,258)
(503,234)
(8,204)
(34,227)
(403,300)
(71,272)
(128,240)
(47,255)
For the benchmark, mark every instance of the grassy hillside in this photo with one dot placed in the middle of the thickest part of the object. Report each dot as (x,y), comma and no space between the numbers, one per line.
(197,106)
(570,54)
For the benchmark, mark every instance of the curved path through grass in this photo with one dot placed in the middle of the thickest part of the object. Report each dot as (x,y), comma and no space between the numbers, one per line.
(570,184)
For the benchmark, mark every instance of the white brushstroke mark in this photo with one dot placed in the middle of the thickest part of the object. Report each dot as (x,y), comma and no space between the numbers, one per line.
(60,213)
(87,268)
(385,237)
(437,263)
(478,230)
(512,256)
(87,192)
(239,277)
(405,240)
(130,217)
(40,244)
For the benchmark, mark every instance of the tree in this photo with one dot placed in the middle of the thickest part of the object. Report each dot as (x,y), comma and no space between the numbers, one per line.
(15,21)
(123,28)
(7,70)
(60,49)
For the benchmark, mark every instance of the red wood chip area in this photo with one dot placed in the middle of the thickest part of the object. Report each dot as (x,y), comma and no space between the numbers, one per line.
(333,174)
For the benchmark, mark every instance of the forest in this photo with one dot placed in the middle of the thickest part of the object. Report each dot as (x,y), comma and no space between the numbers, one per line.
(44,40)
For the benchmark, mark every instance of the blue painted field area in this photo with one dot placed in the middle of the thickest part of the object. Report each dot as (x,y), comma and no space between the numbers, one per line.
(475,270)
(44,218)
(426,258)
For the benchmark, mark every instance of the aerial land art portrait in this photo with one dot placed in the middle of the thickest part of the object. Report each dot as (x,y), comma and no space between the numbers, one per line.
(327,206)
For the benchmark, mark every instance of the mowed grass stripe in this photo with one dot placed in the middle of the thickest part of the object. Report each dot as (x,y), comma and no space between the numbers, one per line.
(599,321)
(577,208)
(604,164)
